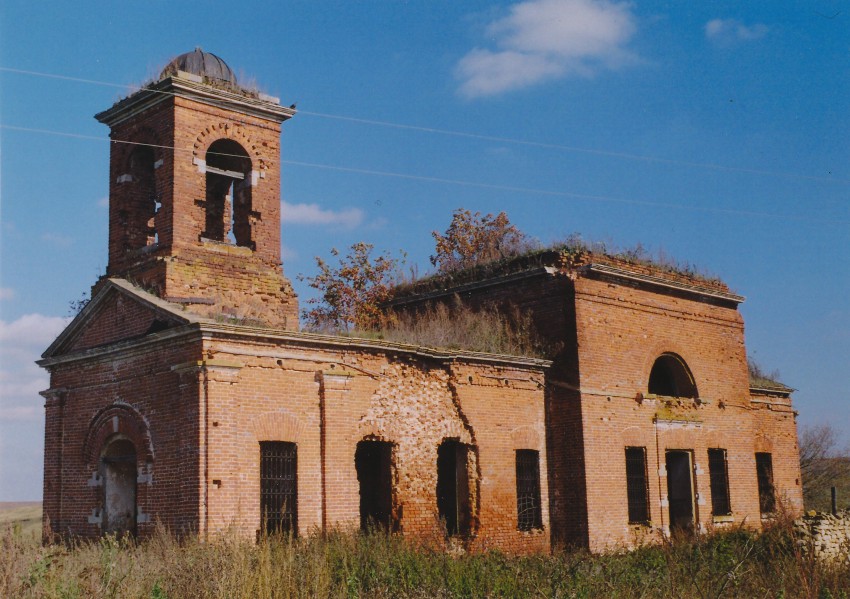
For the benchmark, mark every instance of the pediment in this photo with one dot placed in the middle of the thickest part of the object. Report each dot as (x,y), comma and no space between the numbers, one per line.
(119,312)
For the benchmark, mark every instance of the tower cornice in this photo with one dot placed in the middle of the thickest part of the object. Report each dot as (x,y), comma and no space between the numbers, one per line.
(187,85)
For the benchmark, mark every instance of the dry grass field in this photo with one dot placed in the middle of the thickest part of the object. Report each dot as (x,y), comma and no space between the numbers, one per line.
(23,514)
(738,563)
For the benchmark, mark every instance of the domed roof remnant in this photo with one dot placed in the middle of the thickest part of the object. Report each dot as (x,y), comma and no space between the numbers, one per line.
(204,64)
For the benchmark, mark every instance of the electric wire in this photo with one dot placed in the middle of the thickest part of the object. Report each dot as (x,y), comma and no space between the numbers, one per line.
(459,182)
(478,136)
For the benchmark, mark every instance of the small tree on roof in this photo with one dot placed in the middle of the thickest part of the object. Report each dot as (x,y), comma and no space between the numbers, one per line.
(350,294)
(472,239)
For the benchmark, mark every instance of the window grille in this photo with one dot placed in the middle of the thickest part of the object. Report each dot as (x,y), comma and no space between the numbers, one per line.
(529,513)
(637,488)
(719,477)
(767,493)
(278,487)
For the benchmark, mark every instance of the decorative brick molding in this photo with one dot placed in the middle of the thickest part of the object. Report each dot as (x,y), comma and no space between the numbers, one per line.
(123,419)
(278,426)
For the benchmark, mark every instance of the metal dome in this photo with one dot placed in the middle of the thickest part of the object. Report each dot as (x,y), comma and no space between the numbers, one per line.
(204,64)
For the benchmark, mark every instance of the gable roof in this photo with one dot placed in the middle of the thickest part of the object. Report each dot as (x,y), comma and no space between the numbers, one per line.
(95,308)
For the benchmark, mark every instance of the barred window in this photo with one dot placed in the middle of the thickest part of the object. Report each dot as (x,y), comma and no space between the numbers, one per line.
(767,493)
(529,513)
(278,487)
(718,472)
(637,487)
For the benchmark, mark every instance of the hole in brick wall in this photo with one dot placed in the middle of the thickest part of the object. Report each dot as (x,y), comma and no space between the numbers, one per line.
(373,462)
(453,497)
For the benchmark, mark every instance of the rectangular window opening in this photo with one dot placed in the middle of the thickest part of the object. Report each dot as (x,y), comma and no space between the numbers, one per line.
(529,512)
(279,487)
(718,471)
(767,492)
(637,485)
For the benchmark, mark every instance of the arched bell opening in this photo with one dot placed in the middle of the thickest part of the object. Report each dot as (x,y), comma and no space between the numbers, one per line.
(228,195)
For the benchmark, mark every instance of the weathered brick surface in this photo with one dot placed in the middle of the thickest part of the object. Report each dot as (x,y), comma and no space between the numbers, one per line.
(204,403)
(216,278)
(199,363)
(612,330)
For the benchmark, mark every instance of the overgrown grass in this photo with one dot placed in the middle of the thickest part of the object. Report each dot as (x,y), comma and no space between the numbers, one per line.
(458,326)
(732,564)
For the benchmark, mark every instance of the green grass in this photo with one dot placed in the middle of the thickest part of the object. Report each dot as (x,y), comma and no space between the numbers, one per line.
(739,563)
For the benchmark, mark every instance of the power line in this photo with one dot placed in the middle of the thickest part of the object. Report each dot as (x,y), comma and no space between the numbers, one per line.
(459,182)
(483,137)
(566,148)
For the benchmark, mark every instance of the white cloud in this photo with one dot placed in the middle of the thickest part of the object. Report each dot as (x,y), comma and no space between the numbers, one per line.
(57,239)
(22,342)
(730,31)
(103,202)
(32,330)
(6,293)
(313,214)
(540,40)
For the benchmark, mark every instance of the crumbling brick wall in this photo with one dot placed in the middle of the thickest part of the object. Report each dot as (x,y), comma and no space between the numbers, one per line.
(775,432)
(333,399)
(614,321)
(168,251)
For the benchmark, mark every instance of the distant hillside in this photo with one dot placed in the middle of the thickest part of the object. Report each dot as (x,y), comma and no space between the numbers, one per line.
(26,514)
(821,499)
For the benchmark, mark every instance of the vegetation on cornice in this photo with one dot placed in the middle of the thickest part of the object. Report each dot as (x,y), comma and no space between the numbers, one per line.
(762,379)
(572,252)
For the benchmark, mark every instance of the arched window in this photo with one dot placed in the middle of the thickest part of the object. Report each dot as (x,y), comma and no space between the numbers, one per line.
(228,198)
(670,376)
(142,199)
(119,474)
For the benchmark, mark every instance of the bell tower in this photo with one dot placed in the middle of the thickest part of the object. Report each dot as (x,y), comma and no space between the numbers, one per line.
(194,193)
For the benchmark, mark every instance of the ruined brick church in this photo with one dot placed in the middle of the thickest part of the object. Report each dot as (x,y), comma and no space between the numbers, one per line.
(184,393)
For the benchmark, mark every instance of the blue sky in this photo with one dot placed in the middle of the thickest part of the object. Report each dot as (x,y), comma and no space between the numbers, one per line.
(716,133)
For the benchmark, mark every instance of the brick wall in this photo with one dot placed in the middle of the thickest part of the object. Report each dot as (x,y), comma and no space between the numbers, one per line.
(197,401)
(328,401)
(775,432)
(612,330)
(215,278)
(121,393)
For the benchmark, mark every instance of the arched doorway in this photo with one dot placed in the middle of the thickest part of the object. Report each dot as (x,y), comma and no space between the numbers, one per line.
(118,471)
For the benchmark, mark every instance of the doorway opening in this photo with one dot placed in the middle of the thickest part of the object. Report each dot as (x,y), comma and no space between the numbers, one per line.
(453,502)
(373,461)
(119,474)
(680,491)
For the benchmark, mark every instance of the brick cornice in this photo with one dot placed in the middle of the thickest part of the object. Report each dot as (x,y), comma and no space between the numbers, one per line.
(184,87)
